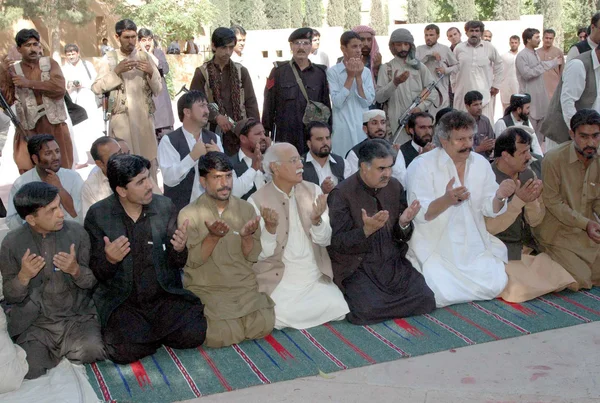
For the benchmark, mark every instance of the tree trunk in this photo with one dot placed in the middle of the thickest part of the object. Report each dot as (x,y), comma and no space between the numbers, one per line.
(416,11)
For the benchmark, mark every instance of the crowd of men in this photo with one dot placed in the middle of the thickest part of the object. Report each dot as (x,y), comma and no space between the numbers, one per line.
(362,192)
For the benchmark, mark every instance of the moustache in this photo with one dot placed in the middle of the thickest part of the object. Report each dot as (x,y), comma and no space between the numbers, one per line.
(299,171)
(465,150)
(384,179)
(224,188)
(594,149)
(403,53)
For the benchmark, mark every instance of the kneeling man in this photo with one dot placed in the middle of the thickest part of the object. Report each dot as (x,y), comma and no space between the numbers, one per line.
(460,260)
(371,226)
(137,252)
(48,283)
(294,267)
(224,243)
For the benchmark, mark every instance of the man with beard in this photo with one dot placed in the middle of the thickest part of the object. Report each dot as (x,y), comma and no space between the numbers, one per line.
(371,225)
(420,129)
(227,84)
(131,78)
(529,275)
(285,103)
(179,151)
(453,35)
(321,166)
(163,116)
(530,73)
(517,114)
(570,232)
(46,157)
(37,86)
(487,35)
(317,55)
(374,126)
(137,252)
(80,75)
(550,52)
(484,137)
(224,243)
(510,83)
(480,68)
(294,268)
(352,92)
(370,55)
(253,145)
(240,43)
(49,285)
(402,79)
(462,262)
(439,59)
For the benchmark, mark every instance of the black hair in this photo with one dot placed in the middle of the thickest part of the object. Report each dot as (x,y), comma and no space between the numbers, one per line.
(517,103)
(121,169)
(238,29)
(33,196)
(71,47)
(125,25)
(187,100)
(214,160)
(316,33)
(473,25)
(585,117)
(412,119)
(452,29)
(347,37)
(451,121)
(35,144)
(550,31)
(375,148)
(26,34)
(250,123)
(441,113)
(311,125)
(100,141)
(508,139)
(515,37)
(528,34)
(595,19)
(222,37)
(582,30)
(473,96)
(434,27)
(144,33)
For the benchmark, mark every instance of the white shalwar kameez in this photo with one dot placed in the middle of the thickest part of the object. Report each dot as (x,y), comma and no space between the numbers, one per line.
(459,259)
(304,298)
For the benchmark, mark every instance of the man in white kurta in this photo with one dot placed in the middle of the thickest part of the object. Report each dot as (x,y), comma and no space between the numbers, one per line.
(294,267)
(352,92)
(79,76)
(132,79)
(457,188)
(480,68)
(401,80)
(439,59)
(510,84)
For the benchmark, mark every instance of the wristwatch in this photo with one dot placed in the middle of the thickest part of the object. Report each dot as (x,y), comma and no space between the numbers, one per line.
(318,222)
(502,199)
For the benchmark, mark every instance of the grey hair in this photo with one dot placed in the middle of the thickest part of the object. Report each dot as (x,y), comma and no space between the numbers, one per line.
(452,121)
(271,156)
(375,148)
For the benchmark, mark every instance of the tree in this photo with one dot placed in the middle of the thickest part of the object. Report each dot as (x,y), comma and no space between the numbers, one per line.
(576,14)
(507,10)
(296,15)
(277,13)
(336,13)
(222,14)
(416,10)
(464,10)
(8,16)
(167,19)
(249,13)
(52,13)
(552,11)
(352,16)
(313,16)
(377,19)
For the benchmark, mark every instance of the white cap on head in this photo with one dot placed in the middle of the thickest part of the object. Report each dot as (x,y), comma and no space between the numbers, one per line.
(370,114)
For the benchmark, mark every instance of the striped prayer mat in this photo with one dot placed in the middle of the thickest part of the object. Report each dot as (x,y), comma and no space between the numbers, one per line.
(171,375)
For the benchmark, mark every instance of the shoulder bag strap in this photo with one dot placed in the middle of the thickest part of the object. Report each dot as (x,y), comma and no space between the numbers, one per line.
(299,81)
(86,69)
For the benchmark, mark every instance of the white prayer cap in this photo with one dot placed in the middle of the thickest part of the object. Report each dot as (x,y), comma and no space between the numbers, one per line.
(371,113)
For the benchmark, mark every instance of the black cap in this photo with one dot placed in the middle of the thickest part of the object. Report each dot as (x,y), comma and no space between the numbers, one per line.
(519,100)
(301,33)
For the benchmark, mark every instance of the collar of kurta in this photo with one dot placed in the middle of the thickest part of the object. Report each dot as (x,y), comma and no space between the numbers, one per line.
(476,46)
(310,158)
(118,209)
(212,203)
(289,196)
(370,191)
(39,237)
(444,158)
(310,65)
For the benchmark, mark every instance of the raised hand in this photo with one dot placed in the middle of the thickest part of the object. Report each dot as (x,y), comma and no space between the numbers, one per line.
(456,196)
(271,219)
(117,250)
(52,179)
(20,81)
(31,265)
(179,238)
(485,146)
(327,185)
(530,191)
(198,150)
(257,158)
(410,213)
(319,207)
(399,79)
(212,146)
(146,67)
(218,228)
(224,123)
(374,223)
(428,147)
(125,65)
(507,188)
(67,262)
(250,227)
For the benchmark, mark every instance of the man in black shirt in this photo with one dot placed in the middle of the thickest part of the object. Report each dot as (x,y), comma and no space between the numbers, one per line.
(136,253)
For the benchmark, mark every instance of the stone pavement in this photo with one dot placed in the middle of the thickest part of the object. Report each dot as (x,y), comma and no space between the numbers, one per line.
(557,366)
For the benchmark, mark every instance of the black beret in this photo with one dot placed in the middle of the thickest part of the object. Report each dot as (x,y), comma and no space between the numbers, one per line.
(301,33)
